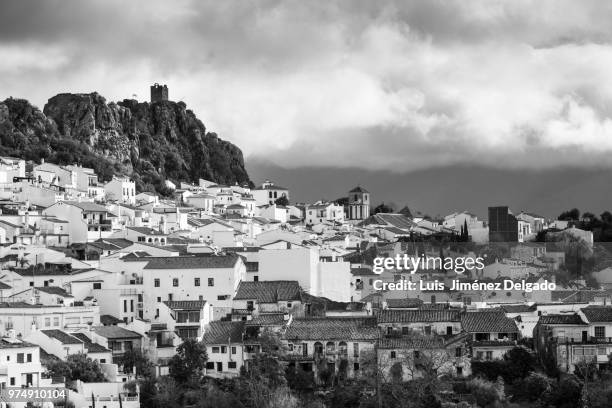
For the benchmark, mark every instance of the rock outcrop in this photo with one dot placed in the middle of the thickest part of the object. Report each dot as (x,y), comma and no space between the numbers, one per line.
(150,142)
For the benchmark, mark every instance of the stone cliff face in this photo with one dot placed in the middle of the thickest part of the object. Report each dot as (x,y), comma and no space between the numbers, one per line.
(149,142)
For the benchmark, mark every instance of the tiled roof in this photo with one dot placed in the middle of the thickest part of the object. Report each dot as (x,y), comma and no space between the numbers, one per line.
(89,345)
(193,262)
(395,220)
(575,296)
(359,189)
(115,332)
(411,343)
(333,328)
(111,244)
(267,319)
(86,206)
(487,322)
(417,316)
(185,304)
(404,303)
(269,291)
(222,332)
(362,272)
(598,313)
(518,308)
(54,290)
(63,337)
(146,231)
(573,318)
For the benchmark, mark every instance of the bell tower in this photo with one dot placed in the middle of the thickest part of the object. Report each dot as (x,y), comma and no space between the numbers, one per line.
(359,203)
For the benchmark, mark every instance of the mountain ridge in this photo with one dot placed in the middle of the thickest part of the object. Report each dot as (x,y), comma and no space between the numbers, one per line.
(149,142)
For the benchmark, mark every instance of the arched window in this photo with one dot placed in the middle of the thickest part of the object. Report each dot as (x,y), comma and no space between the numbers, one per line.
(330,347)
(343,348)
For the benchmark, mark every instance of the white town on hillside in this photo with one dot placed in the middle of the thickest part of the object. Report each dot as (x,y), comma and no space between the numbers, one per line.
(101,269)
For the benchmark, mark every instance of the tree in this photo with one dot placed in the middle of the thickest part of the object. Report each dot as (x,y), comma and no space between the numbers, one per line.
(571,215)
(382,208)
(189,361)
(282,201)
(466,234)
(136,359)
(485,392)
(406,211)
(77,367)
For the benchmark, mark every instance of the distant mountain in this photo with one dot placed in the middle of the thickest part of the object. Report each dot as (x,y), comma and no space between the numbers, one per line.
(443,190)
(150,142)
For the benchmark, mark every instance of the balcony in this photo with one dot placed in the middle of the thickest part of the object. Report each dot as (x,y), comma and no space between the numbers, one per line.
(587,340)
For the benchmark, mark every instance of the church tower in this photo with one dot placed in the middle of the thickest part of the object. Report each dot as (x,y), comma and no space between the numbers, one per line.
(358,203)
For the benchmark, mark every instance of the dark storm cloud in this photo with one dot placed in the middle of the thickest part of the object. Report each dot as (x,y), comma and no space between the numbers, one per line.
(391,85)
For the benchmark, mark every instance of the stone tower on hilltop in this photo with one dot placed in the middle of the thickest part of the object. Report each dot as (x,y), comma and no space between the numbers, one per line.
(159,93)
(359,203)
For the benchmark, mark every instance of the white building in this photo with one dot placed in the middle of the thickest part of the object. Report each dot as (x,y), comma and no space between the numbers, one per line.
(269,192)
(121,189)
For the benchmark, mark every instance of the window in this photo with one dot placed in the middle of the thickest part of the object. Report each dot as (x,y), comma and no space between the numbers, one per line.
(231,364)
(355,349)
(233,350)
(132,305)
(416,354)
(215,349)
(210,365)
(156,283)
(56,321)
(290,346)
(250,305)
(223,349)
(600,332)
(393,354)
(289,305)
(159,299)
(175,282)
(31,283)
(29,357)
(124,306)
(479,355)
(318,348)
(405,330)
(458,352)
(97,285)
(170,296)
(330,347)
(428,330)
(255,278)
(196,282)
(211,281)
(47,321)
(12,380)
(355,366)
(489,355)
(20,357)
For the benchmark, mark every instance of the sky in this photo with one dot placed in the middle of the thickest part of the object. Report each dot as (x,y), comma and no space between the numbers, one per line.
(388,86)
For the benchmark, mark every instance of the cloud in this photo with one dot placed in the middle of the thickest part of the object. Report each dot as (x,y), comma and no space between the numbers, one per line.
(382,85)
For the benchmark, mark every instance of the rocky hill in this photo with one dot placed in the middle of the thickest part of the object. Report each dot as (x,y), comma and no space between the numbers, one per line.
(150,142)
